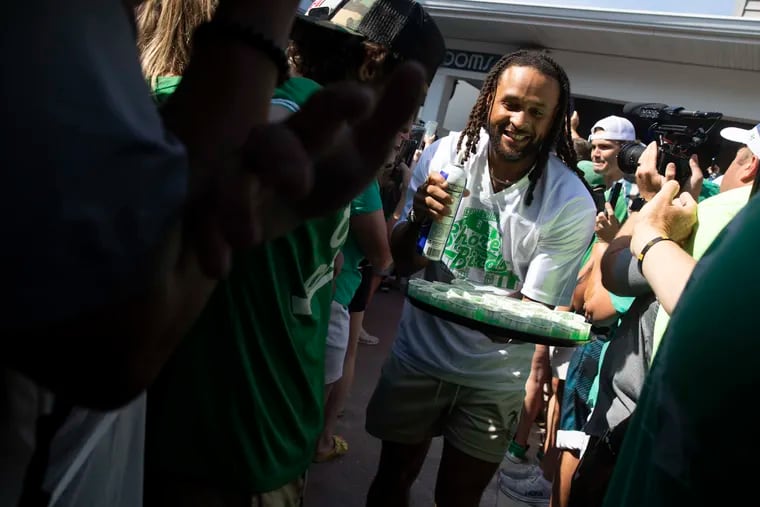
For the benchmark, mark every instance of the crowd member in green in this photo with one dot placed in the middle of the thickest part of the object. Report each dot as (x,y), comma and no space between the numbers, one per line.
(125,217)
(627,356)
(608,135)
(704,366)
(235,416)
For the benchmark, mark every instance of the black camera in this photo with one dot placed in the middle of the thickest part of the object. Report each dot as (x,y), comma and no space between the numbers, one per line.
(679,133)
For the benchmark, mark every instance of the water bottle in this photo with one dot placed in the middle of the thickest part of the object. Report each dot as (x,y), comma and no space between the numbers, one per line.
(434,239)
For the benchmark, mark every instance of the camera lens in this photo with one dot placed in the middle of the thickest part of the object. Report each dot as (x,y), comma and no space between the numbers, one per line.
(628,157)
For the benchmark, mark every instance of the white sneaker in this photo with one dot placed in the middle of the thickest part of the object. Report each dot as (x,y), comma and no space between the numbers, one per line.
(368,339)
(517,460)
(533,490)
(522,472)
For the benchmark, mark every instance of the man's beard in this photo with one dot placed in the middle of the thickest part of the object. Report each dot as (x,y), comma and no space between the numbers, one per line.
(494,138)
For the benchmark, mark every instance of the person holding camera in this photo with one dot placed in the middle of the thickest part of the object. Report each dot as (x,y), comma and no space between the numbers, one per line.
(667,446)
(628,306)
(607,137)
(627,357)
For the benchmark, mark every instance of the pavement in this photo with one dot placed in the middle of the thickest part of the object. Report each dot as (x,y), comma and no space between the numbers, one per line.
(344,482)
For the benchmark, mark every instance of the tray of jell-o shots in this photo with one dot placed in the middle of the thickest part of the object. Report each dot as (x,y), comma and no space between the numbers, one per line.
(493,312)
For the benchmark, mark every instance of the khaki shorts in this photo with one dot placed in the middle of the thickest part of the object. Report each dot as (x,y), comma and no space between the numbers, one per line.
(559,359)
(410,407)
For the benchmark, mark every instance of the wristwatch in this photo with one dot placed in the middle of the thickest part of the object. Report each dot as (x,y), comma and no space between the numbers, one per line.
(411,217)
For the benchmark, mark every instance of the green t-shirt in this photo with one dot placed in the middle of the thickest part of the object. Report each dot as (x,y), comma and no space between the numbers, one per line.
(350,277)
(709,189)
(240,404)
(674,452)
(164,87)
(593,178)
(712,216)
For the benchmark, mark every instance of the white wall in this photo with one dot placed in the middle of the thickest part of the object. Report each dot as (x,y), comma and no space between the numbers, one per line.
(460,106)
(734,93)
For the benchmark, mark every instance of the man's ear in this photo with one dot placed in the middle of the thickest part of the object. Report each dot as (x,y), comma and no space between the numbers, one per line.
(750,171)
(374,59)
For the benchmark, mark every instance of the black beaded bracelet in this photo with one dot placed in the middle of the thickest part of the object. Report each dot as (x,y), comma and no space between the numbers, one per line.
(246,35)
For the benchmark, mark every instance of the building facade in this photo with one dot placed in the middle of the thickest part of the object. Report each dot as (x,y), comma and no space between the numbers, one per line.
(612,57)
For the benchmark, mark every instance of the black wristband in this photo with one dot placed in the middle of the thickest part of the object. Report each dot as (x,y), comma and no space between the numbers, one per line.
(234,32)
(650,244)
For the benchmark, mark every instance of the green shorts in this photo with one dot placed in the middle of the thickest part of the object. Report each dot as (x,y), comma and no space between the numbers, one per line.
(410,407)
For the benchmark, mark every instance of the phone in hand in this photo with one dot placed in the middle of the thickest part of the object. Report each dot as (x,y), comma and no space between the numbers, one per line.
(615,194)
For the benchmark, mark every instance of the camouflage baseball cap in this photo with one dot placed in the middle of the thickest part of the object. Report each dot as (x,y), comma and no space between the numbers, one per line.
(402,26)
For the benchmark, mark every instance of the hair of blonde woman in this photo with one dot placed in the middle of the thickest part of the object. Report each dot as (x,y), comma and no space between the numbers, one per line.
(164,34)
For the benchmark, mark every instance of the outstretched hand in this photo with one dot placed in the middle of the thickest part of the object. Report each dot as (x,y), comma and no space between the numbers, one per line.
(308,166)
(348,133)
(666,214)
(650,181)
(607,224)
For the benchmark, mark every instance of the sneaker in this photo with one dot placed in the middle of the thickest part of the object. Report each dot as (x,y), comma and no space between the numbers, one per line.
(368,339)
(533,490)
(523,472)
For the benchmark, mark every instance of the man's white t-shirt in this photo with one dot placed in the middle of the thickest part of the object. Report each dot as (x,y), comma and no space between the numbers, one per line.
(500,241)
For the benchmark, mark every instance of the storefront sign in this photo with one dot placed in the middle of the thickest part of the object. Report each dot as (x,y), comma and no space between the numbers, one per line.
(469,60)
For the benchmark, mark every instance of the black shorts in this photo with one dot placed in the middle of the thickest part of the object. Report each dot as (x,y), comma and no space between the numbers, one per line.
(359,302)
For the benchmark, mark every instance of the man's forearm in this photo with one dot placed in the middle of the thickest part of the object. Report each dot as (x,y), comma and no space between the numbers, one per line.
(667,268)
(404,249)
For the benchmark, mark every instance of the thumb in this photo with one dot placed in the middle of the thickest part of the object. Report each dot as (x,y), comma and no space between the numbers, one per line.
(667,193)
(694,164)
(609,209)
(687,200)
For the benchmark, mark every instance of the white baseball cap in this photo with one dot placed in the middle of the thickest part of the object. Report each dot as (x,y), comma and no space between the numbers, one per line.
(749,137)
(614,128)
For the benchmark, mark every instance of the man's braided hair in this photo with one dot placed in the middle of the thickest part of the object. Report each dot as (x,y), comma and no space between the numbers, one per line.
(559,134)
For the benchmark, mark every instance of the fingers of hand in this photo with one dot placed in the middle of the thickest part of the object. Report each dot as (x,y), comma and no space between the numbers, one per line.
(400,98)
(694,164)
(667,193)
(670,172)
(280,159)
(437,179)
(648,159)
(321,120)
(435,208)
(687,201)
(436,200)
(214,253)
(240,213)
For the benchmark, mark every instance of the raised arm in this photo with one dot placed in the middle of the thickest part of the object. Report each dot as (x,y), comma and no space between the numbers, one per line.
(119,233)
(666,266)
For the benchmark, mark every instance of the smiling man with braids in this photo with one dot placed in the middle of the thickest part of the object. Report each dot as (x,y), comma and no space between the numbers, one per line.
(523,228)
